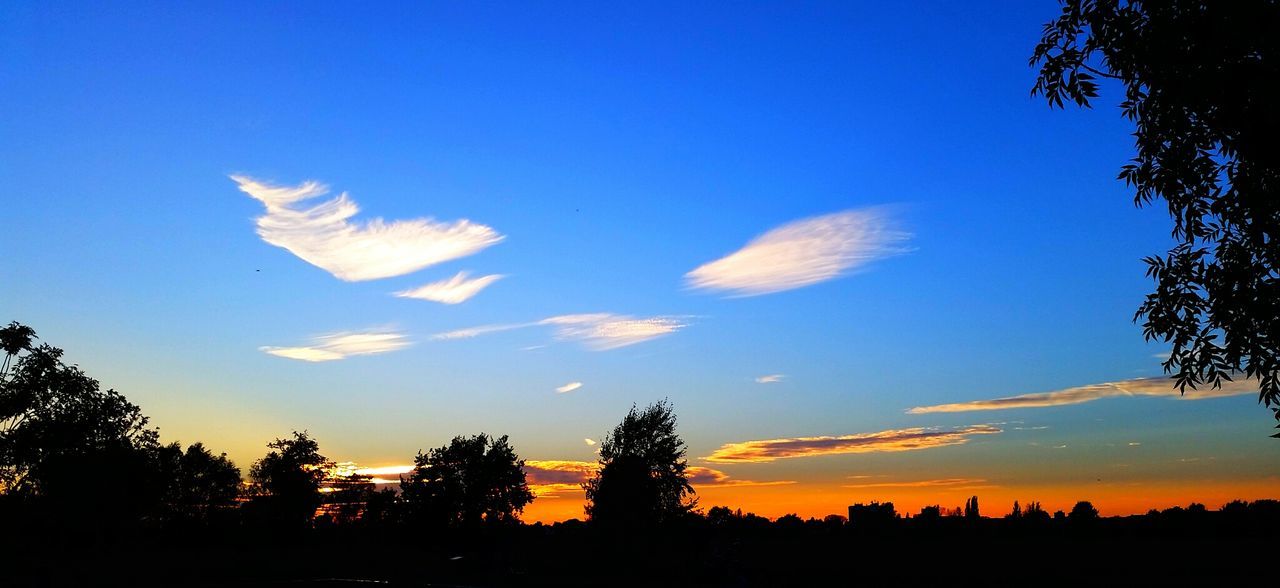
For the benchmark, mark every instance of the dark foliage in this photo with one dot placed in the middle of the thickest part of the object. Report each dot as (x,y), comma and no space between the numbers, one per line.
(642,479)
(471,481)
(200,487)
(68,449)
(1084,511)
(1200,83)
(287,481)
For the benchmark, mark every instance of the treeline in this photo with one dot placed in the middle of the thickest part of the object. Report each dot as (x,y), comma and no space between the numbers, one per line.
(75,457)
(89,495)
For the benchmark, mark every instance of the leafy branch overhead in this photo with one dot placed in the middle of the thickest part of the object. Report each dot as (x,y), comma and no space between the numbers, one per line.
(1200,81)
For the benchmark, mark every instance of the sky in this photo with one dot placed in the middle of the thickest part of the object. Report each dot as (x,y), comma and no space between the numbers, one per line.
(844,241)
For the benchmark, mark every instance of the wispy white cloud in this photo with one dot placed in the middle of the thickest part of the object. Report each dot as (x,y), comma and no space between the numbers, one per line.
(570,387)
(893,440)
(470,332)
(802,253)
(454,290)
(325,236)
(601,331)
(589,441)
(342,345)
(770,379)
(1080,394)
(597,331)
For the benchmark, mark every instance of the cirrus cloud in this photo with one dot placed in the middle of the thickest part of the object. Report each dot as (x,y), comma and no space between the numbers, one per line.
(325,236)
(337,346)
(1081,394)
(883,441)
(570,387)
(455,290)
(596,331)
(802,253)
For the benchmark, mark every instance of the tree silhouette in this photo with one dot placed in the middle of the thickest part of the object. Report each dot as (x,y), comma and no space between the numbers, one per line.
(642,478)
(930,513)
(1200,81)
(789,521)
(288,480)
(971,508)
(200,485)
(1083,511)
(58,428)
(472,480)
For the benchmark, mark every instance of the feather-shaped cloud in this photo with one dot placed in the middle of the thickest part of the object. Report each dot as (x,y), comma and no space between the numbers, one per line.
(341,346)
(802,253)
(325,236)
(454,290)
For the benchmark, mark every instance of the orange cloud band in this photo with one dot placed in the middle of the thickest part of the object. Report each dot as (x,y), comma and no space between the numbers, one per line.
(550,478)
(884,441)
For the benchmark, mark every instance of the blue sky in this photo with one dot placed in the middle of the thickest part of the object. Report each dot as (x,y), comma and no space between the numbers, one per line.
(615,149)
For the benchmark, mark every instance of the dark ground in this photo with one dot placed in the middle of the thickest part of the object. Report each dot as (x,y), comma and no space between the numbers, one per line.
(989,552)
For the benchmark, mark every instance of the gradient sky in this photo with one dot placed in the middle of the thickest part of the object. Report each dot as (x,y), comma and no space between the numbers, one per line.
(795,221)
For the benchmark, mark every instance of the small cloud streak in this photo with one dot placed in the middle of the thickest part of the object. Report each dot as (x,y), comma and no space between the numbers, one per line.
(1081,394)
(884,441)
(957,483)
(550,478)
(570,387)
(341,346)
(770,379)
(455,290)
(603,331)
(595,331)
(470,332)
(589,441)
(802,253)
(324,235)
